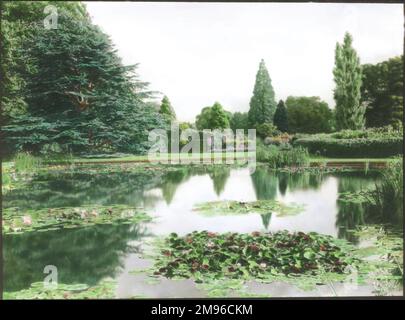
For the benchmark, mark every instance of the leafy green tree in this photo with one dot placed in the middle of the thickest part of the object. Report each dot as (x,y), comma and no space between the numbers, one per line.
(280,117)
(239,120)
(382,92)
(347,75)
(308,115)
(203,119)
(219,117)
(214,117)
(78,94)
(262,103)
(167,110)
(17,20)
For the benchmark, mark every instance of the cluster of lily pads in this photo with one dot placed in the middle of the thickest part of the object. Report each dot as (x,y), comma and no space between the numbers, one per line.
(361,196)
(256,255)
(17,221)
(38,290)
(241,207)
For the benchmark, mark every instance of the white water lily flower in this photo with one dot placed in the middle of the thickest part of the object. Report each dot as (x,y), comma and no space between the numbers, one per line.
(210,244)
(27,220)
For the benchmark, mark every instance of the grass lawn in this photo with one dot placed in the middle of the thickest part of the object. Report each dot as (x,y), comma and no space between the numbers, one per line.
(206,156)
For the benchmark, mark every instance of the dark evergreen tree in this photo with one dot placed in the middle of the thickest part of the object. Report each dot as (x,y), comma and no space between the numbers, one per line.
(280,117)
(262,103)
(78,94)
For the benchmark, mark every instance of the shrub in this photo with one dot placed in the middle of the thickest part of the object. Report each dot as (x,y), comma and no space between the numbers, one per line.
(282,156)
(382,132)
(377,143)
(265,130)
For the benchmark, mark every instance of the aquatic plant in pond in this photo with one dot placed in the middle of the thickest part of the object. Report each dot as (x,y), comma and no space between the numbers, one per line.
(104,290)
(221,264)
(241,207)
(26,162)
(388,197)
(256,255)
(16,220)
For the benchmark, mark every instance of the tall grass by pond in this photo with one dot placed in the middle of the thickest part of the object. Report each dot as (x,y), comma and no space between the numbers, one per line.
(388,196)
(26,162)
(282,156)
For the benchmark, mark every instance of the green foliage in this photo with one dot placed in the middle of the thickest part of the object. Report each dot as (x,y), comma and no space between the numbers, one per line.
(382,92)
(17,20)
(104,290)
(281,117)
(167,110)
(353,144)
(262,207)
(267,129)
(262,103)
(24,162)
(239,120)
(18,221)
(214,117)
(77,93)
(278,157)
(308,115)
(388,196)
(371,133)
(348,78)
(246,256)
(185,125)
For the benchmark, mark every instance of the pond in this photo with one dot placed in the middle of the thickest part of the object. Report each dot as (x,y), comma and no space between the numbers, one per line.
(88,255)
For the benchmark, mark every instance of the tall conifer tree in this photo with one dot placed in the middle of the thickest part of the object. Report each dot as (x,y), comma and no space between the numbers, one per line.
(348,78)
(262,103)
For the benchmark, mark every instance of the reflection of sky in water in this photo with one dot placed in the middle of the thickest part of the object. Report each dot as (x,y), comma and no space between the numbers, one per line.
(101,251)
(319,213)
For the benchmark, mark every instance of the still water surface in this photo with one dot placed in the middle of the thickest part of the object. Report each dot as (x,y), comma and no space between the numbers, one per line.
(90,254)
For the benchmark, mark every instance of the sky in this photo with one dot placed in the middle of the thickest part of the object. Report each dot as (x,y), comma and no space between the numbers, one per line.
(200,53)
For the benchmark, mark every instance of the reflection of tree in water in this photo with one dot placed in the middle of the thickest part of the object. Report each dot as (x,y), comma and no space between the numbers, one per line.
(266,218)
(78,189)
(265,184)
(219,176)
(171,182)
(355,181)
(84,255)
(301,180)
(283,182)
(352,214)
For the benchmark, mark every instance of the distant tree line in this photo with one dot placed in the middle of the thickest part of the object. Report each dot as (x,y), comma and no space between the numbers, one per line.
(365,96)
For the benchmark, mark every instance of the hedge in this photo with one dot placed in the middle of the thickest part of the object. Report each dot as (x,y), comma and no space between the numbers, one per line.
(352,148)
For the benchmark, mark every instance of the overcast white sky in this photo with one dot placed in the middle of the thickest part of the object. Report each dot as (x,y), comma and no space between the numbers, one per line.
(198,53)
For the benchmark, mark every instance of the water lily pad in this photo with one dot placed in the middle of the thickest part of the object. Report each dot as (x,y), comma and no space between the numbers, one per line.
(241,207)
